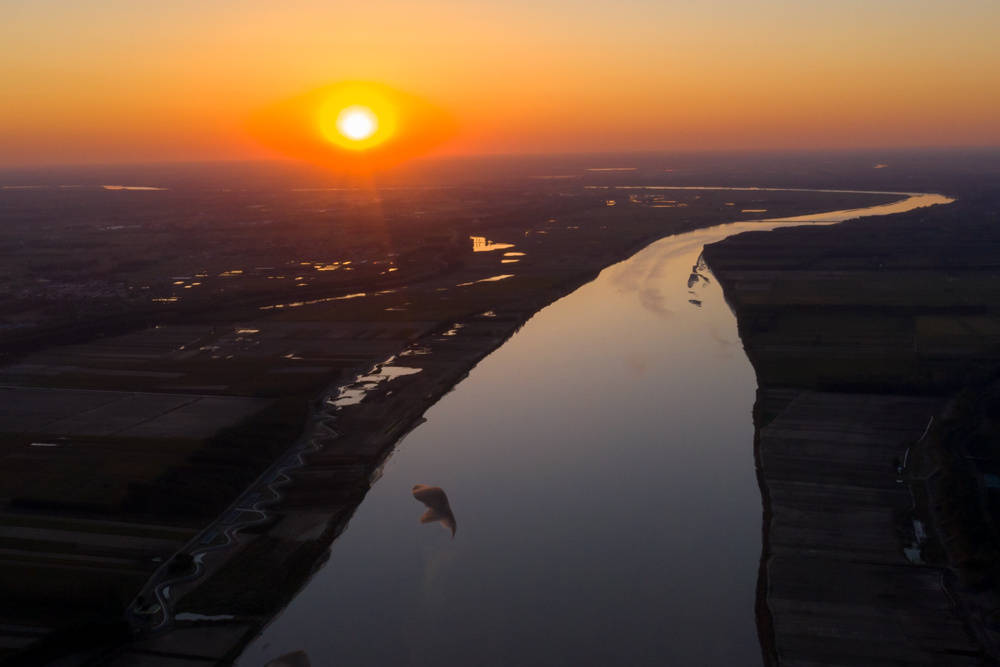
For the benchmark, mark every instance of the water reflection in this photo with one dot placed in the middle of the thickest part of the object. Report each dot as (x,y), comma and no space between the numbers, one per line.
(491,279)
(483,244)
(354,393)
(438,508)
(310,302)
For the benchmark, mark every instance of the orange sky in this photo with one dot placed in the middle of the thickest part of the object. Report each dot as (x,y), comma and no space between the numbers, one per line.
(144,81)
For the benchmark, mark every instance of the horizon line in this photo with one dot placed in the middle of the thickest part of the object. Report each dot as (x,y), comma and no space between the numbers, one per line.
(858,150)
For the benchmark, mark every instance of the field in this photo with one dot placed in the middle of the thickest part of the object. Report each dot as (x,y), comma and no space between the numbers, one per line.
(873,472)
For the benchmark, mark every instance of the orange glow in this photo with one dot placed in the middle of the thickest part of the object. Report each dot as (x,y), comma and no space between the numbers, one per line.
(352,125)
(357,116)
(120,82)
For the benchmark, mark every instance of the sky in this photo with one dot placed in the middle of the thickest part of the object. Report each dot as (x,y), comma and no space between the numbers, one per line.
(144,80)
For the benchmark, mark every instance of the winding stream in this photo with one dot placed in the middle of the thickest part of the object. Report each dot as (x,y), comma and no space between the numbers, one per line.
(600,470)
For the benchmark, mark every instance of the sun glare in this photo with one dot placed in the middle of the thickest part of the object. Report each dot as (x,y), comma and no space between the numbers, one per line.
(352,125)
(357,117)
(357,122)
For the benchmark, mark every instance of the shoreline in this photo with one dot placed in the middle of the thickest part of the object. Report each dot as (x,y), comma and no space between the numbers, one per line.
(830,423)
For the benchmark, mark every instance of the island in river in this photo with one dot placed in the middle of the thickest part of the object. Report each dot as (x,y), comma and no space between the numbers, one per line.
(218,385)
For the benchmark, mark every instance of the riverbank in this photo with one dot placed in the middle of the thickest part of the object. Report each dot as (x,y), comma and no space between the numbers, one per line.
(858,335)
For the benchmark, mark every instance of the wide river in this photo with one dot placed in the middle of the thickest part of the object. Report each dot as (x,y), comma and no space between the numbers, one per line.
(600,468)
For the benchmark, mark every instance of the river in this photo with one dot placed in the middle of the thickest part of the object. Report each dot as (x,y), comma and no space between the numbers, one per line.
(600,469)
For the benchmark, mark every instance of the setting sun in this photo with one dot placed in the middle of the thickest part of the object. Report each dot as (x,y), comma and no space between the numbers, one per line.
(352,125)
(357,123)
(357,116)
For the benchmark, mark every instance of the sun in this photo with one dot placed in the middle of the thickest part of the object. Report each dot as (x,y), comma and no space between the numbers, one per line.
(357,117)
(355,126)
(357,122)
